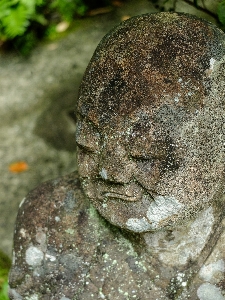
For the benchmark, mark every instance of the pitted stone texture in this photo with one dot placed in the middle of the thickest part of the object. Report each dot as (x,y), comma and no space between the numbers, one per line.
(151,121)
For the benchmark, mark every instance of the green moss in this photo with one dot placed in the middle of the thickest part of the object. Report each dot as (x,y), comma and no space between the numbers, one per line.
(4,291)
(5,264)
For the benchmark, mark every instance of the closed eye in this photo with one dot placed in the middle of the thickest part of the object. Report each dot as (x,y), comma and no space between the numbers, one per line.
(86,148)
(141,157)
(87,136)
(148,151)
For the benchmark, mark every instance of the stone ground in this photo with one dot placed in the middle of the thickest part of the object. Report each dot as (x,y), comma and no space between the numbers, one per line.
(37,99)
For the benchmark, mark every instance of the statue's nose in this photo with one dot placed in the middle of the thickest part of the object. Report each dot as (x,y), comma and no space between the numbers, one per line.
(115,166)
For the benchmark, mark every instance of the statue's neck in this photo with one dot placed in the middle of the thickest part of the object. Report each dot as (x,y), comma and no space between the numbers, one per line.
(180,252)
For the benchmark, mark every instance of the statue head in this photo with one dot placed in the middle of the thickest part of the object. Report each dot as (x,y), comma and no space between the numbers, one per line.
(151,121)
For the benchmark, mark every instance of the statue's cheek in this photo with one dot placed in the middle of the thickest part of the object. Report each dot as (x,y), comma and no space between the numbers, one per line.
(148,173)
(87,164)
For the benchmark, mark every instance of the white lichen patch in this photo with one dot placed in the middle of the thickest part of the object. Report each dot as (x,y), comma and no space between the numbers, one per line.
(32,297)
(65,298)
(201,228)
(181,279)
(208,291)
(162,208)
(57,219)
(104,205)
(177,98)
(103,174)
(21,203)
(70,231)
(185,242)
(213,272)
(106,257)
(34,256)
(138,225)
(50,257)
(23,232)
(212,62)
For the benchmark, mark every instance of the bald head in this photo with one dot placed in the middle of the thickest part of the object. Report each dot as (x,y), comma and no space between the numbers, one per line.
(151,60)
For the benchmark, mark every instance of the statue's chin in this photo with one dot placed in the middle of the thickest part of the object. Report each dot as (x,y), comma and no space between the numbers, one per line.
(145,215)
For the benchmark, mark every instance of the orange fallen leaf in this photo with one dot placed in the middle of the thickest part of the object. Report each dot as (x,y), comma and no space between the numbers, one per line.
(19,166)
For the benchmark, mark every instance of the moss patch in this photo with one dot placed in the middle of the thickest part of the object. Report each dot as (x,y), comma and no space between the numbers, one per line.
(5,264)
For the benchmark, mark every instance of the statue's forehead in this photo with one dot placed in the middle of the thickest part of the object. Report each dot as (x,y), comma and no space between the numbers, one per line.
(150,61)
(161,119)
(126,97)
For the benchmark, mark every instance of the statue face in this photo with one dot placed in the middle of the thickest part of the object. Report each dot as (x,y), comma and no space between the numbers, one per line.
(150,147)
(146,173)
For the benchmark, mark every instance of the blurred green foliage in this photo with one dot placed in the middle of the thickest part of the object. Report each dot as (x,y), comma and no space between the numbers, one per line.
(68,8)
(23,22)
(5,264)
(4,291)
(221,12)
(16,15)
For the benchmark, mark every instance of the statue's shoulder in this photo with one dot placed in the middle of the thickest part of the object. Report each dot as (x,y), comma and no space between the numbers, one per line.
(55,235)
(49,206)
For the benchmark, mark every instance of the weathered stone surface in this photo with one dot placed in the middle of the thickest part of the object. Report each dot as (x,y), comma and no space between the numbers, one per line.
(64,249)
(151,160)
(150,131)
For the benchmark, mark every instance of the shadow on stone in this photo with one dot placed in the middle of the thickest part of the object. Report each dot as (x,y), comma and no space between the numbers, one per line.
(56,124)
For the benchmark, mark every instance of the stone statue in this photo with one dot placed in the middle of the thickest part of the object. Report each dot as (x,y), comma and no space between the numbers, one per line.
(151,138)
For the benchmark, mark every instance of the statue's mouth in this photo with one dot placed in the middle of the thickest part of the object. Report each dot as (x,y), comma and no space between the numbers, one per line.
(130,192)
(121,196)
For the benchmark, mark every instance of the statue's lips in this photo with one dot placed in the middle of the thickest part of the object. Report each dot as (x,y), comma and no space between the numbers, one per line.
(131,192)
(121,196)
